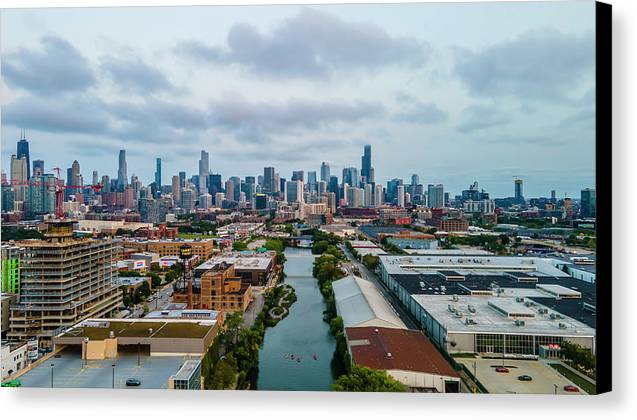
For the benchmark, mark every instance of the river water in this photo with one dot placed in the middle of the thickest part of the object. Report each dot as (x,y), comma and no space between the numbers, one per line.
(302,334)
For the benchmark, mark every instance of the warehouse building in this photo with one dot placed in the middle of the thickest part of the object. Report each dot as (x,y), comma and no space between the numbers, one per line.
(512,305)
(254,268)
(406,355)
(360,304)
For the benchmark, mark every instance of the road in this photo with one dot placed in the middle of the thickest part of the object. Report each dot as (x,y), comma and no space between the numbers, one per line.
(389,297)
(159,301)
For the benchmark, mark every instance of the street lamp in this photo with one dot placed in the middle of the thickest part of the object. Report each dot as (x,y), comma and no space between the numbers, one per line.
(52,365)
(138,355)
(555,388)
(113,382)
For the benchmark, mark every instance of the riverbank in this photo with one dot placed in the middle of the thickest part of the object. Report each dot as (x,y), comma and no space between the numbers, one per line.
(296,355)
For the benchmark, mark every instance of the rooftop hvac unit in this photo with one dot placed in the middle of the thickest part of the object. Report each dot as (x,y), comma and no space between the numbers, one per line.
(542,311)
(471,309)
(458,314)
(455,298)
(451,308)
(519,299)
(562,326)
(519,323)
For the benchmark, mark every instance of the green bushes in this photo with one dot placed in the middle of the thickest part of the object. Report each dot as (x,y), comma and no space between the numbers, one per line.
(241,345)
(371,261)
(363,379)
(580,358)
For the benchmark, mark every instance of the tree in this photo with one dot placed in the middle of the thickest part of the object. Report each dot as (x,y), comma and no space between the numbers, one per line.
(239,246)
(363,379)
(371,261)
(320,247)
(155,280)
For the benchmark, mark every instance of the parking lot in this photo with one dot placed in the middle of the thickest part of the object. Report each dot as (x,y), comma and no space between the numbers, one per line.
(544,377)
(70,371)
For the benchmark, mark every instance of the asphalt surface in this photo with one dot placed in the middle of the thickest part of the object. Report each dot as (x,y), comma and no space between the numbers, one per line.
(389,297)
(70,371)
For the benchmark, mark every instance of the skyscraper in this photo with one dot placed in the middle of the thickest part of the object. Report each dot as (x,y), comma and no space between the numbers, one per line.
(436,196)
(38,167)
(19,176)
(350,176)
(588,203)
(204,170)
(298,176)
(176,190)
(23,151)
(378,196)
(122,177)
(415,179)
(214,184)
(519,193)
(311,180)
(182,179)
(158,173)
(400,196)
(366,163)
(325,172)
(268,180)
(294,191)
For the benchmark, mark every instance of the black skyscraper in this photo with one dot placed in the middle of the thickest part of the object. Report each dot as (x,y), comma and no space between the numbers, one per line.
(23,150)
(367,163)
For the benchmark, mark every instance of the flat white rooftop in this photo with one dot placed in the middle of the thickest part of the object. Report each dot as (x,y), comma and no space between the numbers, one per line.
(259,261)
(400,264)
(458,252)
(489,320)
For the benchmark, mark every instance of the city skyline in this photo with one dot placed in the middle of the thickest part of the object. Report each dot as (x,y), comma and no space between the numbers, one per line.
(427,103)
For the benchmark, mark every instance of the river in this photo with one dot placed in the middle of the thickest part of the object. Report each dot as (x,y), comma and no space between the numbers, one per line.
(302,334)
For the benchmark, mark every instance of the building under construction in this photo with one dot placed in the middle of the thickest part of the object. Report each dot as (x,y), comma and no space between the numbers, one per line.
(63,281)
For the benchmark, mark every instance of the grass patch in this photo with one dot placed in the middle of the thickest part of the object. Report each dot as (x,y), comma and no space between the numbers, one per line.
(195,236)
(577,379)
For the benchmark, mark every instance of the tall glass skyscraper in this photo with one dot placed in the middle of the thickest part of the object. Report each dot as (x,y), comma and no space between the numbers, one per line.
(158,174)
(366,163)
(23,151)
(122,177)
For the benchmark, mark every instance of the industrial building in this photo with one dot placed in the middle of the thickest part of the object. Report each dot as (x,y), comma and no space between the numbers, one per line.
(255,268)
(360,304)
(218,287)
(203,248)
(103,338)
(487,304)
(406,355)
(63,280)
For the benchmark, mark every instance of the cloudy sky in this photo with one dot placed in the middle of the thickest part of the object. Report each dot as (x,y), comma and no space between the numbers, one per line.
(452,92)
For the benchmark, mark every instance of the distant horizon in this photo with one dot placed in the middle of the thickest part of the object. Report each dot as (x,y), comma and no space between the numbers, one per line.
(291,86)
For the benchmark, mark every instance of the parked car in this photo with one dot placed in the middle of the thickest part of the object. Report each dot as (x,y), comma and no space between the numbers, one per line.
(571,388)
(133,382)
(525,378)
(502,369)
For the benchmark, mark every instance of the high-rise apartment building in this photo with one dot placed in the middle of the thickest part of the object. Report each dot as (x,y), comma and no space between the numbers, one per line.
(400,196)
(294,191)
(268,180)
(122,176)
(325,172)
(64,280)
(176,190)
(38,167)
(588,203)
(435,196)
(158,173)
(519,192)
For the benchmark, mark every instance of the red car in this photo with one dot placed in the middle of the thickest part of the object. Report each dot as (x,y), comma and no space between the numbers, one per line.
(571,388)
(502,369)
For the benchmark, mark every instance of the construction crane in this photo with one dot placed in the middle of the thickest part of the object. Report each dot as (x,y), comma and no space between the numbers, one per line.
(59,190)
